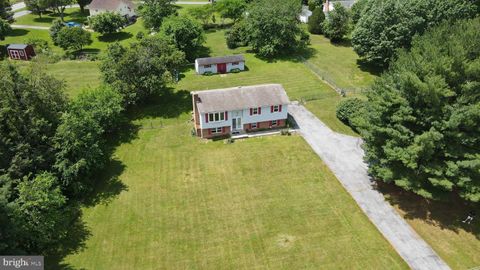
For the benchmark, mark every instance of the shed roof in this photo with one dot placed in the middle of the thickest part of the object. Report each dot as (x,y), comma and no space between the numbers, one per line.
(111,5)
(220,59)
(17,46)
(239,98)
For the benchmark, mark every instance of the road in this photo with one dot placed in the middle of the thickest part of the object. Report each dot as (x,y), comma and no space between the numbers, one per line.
(344,156)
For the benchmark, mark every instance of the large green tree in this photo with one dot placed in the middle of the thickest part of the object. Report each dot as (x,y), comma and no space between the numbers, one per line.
(231,9)
(422,128)
(107,22)
(387,25)
(272,27)
(4,29)
(5,10)
(37,6)
(186,33)
(155,11)
(315,22)
(83,4)
(143,69)
(72,38)
(337,24)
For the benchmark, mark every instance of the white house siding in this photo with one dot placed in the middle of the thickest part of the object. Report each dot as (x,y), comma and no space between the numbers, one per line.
(122,9)
(266,115)
(213,68)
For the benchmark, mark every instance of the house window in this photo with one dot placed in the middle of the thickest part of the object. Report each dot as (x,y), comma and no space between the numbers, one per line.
(254,125)
(276,108)
(235,63)
(22,53)
(207,66)
(274,123)
(255,111)
(217,130)
(216,117)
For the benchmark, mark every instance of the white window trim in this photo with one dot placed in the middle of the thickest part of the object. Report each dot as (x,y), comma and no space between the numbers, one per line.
(22,53)
(221,117)
(216,130)
(274,123)
(207,66)
(254,111)
(276,108)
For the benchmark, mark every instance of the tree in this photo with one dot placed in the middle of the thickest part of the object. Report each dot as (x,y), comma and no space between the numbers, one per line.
(83,4)
(315,22)
(37,6)
(336,26)
(5,10)
(202,13)
(231,9)
(185,33)
(421,130)
(107,22)
(30,110)
(59,6)
(314,4)
(357,10)
(350,111)
(41,213)
(143,69)
(79,140)
(154,11)
(387,25)
(4,29)
(236,36)
(72,38)
(272,27)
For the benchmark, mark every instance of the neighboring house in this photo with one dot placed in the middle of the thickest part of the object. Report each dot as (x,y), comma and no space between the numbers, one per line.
(305,14)
(237,110)
(20,51)
(222,64)
(123,7)
(328,5)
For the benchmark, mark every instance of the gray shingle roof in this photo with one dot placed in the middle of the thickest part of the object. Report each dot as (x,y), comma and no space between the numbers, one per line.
(239,98)
(220,59)
(17,46)
(110,5)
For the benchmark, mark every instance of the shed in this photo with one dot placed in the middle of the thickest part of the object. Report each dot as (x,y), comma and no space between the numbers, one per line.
(222,64)
(20,51)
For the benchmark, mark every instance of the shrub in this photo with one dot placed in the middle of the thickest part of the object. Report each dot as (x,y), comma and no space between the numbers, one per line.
(337,25)
(107,22)
(140,35)
(315,21)
(57,25)
(40,45)
(236,36)
(4,29)
(349,109)
(208,73)
(235,70)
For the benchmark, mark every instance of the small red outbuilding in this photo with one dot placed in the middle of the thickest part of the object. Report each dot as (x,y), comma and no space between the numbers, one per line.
(20,51)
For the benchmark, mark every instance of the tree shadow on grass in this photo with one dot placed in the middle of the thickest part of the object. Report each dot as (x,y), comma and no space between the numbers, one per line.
(17,32)
(297,56)
(115,37)
(447,214)
(169,105)
(370,68)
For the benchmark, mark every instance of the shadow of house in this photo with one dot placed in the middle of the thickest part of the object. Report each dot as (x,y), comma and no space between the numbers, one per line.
(447,214)
(115,37)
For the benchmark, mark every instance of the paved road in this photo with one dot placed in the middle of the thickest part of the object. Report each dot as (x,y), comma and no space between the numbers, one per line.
(29,26)
(18,6)
(344,156)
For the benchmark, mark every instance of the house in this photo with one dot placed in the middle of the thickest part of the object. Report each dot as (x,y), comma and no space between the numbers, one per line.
(222,64)
(20,51)
(328,5)
(223,112)
(123,7)
(305,14)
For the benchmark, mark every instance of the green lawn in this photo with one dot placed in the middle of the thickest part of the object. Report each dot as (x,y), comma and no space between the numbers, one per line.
(265,203)
(71,14)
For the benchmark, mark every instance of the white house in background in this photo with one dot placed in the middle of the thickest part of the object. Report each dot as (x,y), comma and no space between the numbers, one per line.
(328,5)
(241,109)
(123,7)
(222,64)
(305,14)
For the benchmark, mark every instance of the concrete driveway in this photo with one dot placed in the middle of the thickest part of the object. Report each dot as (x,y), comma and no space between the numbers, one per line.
(344,156)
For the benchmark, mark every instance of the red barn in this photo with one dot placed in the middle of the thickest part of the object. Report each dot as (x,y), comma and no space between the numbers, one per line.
(20,51)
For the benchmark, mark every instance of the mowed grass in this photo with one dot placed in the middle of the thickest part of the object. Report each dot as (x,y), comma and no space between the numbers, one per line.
(265,203)
(71,15)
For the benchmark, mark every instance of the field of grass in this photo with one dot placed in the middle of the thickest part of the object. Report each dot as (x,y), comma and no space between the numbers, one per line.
(71,15)
(265,203)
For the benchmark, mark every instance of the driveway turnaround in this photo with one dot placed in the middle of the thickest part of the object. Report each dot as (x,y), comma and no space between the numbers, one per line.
(344,156)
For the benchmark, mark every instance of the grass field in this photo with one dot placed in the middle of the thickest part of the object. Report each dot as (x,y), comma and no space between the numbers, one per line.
(265,203)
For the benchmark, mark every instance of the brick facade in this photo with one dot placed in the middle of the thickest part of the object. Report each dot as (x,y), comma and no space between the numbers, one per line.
(265,125)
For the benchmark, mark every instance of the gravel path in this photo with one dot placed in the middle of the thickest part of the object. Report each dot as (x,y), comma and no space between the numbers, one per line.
(344,156)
